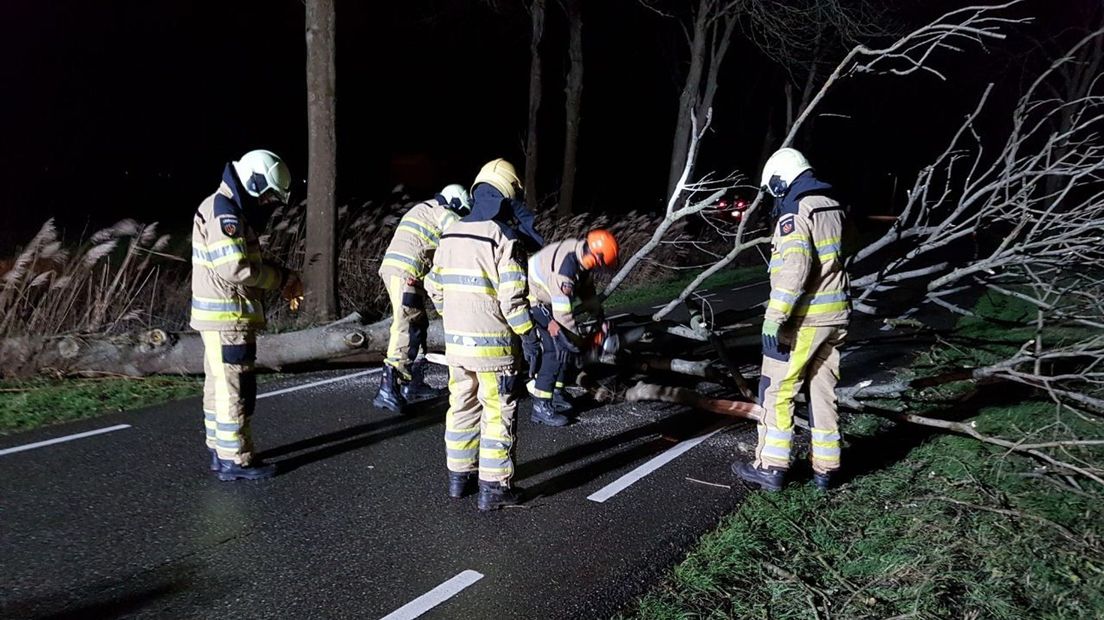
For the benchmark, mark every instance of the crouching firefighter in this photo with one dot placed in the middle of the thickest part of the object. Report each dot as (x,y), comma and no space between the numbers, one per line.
(477,284)
(804,325)
(560,286)
(405,264)
(228,281)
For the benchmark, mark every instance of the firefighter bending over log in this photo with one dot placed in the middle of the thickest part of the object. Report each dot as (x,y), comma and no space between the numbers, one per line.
(405,264)
(560,285)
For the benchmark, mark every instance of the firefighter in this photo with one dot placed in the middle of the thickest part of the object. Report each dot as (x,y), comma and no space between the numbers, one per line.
(560,286)
(405,264)
(805,322)
(228,282)
(477,284)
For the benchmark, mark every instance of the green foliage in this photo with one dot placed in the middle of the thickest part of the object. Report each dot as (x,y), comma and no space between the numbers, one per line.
(889,543)
(893,542)
(29,404)
(667,289)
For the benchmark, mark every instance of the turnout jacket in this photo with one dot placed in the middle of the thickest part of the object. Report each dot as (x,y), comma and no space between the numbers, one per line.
(416,238)
(808,283)
(228,275)
(557,279)
(477,284)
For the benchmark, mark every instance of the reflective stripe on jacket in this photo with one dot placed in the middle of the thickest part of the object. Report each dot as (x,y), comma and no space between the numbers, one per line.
(557,279)
(477,283)
(416,238)
(808,281)
(229,276)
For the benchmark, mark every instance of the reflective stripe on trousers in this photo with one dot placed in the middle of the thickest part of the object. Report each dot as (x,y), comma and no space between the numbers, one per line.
(409,321)
(229,393)
(807,357)
(479,425)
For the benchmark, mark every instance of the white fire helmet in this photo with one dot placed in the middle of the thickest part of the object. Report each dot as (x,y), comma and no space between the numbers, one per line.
(261,171)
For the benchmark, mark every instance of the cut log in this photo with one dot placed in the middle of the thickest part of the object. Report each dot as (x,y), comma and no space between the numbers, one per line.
(690,398)
(159,352)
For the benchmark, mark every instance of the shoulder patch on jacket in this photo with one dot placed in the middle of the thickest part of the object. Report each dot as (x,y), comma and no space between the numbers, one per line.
(567,288)
(786,225)
(230,225)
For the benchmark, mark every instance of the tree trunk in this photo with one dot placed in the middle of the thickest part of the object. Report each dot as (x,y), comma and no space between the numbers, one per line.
(158,352)
(537,10)
(573,106)
(689,98)
(320,261)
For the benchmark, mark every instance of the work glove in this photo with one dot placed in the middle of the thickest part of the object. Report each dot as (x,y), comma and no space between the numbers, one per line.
(770,334)
(565,349)
(531,350)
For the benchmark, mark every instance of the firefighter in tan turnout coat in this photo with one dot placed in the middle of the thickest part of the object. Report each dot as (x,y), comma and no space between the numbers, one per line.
(478,285)
(403,269)
(228,281)
(561,285)
(804,325)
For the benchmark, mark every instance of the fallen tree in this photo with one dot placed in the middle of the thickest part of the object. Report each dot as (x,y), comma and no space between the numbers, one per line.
(159,352)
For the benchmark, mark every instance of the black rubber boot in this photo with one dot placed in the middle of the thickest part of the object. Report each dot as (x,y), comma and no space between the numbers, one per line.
(417,388)
(493,495)
(214,466)
(560,402)
(461,484)
(389,397)
(769,479)
(823,482)
(230,470)
(543,413)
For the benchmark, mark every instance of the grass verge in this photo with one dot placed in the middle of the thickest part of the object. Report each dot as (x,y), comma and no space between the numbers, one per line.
(666,289)
(31,403)
(933,526)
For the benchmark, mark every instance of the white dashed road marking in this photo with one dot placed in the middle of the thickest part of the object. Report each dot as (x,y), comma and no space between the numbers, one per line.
(434,597)
(635,475)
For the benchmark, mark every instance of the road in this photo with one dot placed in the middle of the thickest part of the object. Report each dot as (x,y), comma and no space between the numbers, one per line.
(128,522)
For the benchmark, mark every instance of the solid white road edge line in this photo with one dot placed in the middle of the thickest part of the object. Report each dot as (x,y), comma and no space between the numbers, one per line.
(50,442)
(296,388)
(633,476)
(434,597)
(119,427)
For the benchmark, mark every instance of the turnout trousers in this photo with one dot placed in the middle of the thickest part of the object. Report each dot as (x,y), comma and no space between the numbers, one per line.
(409,321)
(550,373)
(229,393)
(807,356)
(480,423)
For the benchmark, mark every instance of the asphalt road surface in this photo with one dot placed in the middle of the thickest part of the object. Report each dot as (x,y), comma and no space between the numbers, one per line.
(127,521)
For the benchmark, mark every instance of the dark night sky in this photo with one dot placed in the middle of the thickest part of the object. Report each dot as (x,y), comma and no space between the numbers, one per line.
(114,109)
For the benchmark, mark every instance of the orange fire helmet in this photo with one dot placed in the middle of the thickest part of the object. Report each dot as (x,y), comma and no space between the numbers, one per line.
(601,249)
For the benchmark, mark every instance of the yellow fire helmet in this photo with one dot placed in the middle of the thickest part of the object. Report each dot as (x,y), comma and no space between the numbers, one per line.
(501,175)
